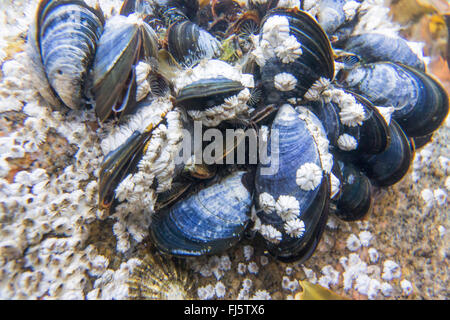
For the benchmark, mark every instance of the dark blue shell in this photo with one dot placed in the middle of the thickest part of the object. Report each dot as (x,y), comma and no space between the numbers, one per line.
(390,166)
(373,136)
(421,102)
(207,222)
(188,43)
(315,62)
(355,199)
(375,47)
(296,147)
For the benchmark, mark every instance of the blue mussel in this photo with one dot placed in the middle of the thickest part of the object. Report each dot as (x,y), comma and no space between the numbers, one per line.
(345,115)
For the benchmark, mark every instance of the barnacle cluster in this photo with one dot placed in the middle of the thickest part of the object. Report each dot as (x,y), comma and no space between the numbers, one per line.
(339,105)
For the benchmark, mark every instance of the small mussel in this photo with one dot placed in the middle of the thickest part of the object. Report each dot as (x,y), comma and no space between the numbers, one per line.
(117,164)
(207,93)
(420,102)
(61,45)
(214,91)
(188,43)
(291,190)
(124,42)
(293,53)
(208,221)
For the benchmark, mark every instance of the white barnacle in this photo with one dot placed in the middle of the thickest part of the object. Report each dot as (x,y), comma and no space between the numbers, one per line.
(261,295)
(353,242)
(259,54)
(315,91)
(276,30)
(308,176)
(295,228)
(407,287)
(347,142)
(270,233)
(220,290)
(143,70)
(288,4)
(231,107)
(289,51)
(253,268)
(350,8)
(440,196)
(352,114)
(284,81)
(287,207)
(266,202)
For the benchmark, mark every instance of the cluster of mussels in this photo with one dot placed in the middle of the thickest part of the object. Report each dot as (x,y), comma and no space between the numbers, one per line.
(347,116)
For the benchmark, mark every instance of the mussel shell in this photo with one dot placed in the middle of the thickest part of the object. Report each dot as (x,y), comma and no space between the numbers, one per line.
(373,47)
(373,136)
(124,41)
(420,142)
(355,200)
(296,146)
(421,102)
(207,222)
(207,93)
(374,133)
(328,113)
(188,7)
(316,60)
(61,44)
(432,110)
(390,166)
(188,43)
(117,164)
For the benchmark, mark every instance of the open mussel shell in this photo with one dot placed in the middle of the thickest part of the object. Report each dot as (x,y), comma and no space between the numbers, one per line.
(207,222)
(291,208)
(207,93)
(420,102)
(355,199)
(188,43)
(294,60)
(124,42)
(390,166)
(373,47)
(61,45)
